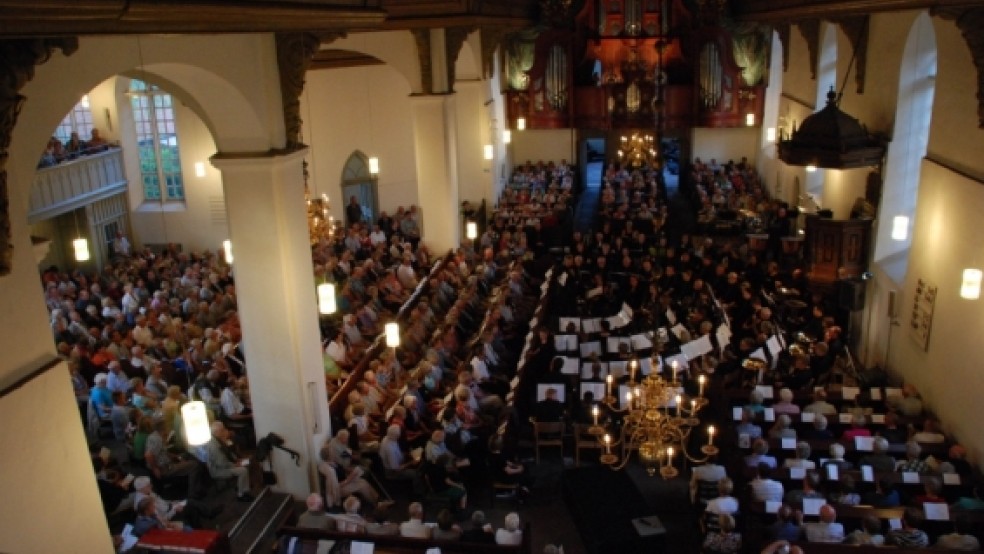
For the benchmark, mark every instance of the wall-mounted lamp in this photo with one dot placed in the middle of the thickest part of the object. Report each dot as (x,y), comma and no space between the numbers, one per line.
(197,430)
(488,151)
(770,134)
(811,168)
(326,298)
(81,247)
(750,119)
(471,230)
(227,250)
(520,123)
(392,334)
(85,101)
(900,227)
(199,169)
(970,288)
(374,165)
(506,136)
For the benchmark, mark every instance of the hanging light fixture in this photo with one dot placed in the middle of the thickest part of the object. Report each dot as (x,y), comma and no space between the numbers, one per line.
(227,250)
(195,417)
(900,227)
(970,288)
(392,334)
(326,298)
(520,123)
(81,249)
(80,244)
(471,230)
(506,136)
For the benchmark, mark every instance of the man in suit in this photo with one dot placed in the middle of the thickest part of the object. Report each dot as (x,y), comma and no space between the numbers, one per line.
(223,462)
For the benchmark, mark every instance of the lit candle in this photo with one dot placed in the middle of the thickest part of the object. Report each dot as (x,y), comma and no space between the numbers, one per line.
(609,381)
(628,399)
(674,365)
(594,412)
(608,444)
(700,381)
(693,406)
(678,402)
(640,400)
(669,456)
(710,435)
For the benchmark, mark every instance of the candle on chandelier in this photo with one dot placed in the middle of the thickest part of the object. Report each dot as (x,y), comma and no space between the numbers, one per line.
(609,381)
(679,401)
(632,368)
(674,365)
(669,456)
(594,412)
(608,444)
(710,435)
(700,382)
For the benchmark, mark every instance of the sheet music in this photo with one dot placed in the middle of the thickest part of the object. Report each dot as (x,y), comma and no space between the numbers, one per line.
(565,321)
(765,390)
(773,345)
(797,472)
(640,342)
(811,506)
(788,443)
(951,478)
(864,444)
(772,506)
(878,418)
(845,418)
(678,331)
(736,413)
(759,353)
(587,369)
(646,365)
(618,369)
(867,474)
(588,348)
(875,394)
(807,417)
(358,547)
(598,389)
(893,392)
(833,472)
(849,393)
(562,279)
(910,477)
(592,325)
(565,343)
(594,292)
(936,511)
(697,348)
(627,310)
(570,365)
(770,414)
(614,342)
(618,321)
(670,316)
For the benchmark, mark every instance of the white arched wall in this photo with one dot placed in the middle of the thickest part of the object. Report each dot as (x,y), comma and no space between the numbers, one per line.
(235,80)
(477,126)
(397,48)
(815,181)
(768,164)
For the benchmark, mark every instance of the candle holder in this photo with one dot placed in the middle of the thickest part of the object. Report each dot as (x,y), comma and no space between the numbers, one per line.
(596,430)
(709,449)
(668,472)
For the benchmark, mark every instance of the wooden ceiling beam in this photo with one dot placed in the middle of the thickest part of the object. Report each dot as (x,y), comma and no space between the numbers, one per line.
(771,11)
(101,17)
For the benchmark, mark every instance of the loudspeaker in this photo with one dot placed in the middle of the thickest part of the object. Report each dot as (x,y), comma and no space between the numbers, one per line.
(851,296)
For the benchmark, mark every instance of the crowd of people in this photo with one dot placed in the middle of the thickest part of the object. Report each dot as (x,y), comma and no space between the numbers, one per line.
(56,151)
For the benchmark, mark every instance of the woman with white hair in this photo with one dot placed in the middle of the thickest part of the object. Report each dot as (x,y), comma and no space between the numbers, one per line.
(786,404)
(511,534)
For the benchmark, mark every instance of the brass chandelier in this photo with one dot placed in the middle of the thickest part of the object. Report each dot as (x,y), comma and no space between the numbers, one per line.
(657,419)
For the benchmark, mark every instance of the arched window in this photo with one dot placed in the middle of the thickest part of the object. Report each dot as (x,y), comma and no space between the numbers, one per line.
(79,120)
(157,142)
(357,181)
(826,79)
(913,112)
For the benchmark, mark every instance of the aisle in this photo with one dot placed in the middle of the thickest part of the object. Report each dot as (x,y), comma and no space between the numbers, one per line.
(587,206)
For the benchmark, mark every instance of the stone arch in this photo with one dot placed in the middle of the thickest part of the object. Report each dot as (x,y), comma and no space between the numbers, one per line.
(398,49)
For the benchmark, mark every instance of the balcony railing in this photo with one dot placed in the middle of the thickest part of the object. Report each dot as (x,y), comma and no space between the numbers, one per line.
(71,185)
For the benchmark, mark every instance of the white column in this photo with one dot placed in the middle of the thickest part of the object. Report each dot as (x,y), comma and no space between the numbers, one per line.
(277,307)
(435,141)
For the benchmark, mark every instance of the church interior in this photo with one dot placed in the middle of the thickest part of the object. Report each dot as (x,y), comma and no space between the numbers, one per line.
(237,136)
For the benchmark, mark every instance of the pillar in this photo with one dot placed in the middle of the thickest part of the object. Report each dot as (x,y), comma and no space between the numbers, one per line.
(435,138)
(277,307)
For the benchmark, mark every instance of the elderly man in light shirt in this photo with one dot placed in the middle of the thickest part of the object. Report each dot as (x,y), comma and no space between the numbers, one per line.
(414,527)
(827,529)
